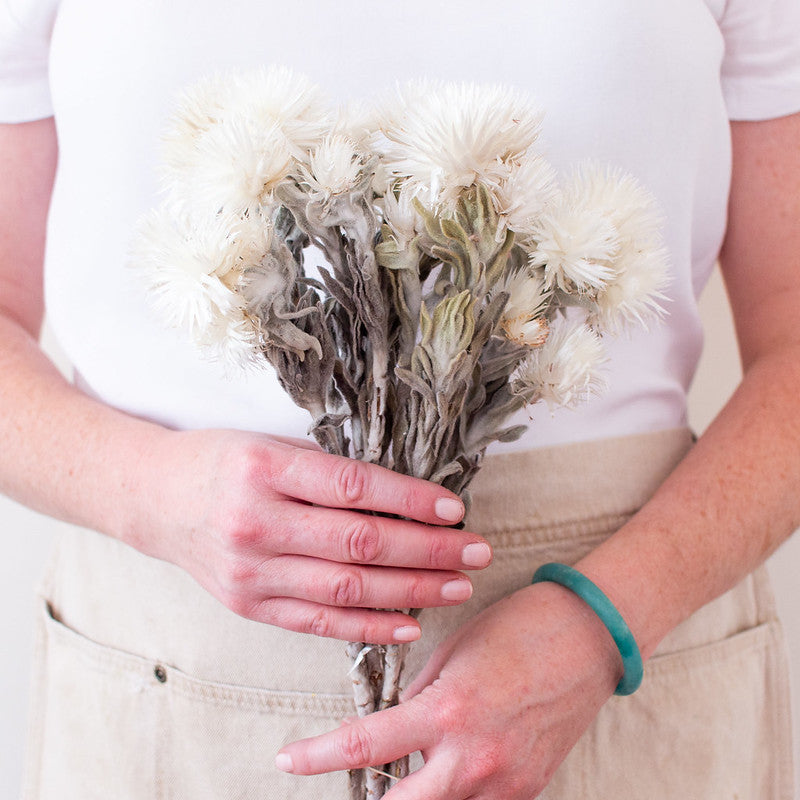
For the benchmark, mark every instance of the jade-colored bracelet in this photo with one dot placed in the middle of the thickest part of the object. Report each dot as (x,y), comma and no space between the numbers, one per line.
(609,616)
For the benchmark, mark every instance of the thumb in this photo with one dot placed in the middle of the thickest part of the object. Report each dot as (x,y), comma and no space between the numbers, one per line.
(430,672)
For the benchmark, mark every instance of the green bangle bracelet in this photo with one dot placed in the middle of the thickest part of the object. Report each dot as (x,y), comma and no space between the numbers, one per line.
(609,616)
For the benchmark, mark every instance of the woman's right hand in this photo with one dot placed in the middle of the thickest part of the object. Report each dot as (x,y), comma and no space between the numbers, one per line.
(273,529)
(270,527)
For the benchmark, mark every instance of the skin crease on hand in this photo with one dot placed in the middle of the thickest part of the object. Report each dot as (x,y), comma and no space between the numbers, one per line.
(539,663)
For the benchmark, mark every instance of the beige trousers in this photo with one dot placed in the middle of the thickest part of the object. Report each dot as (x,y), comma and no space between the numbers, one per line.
(146,688)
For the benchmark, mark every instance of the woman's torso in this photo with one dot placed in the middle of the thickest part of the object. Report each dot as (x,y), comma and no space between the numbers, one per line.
(632,84)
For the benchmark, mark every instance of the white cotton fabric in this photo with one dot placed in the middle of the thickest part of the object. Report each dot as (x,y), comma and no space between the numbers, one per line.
(648,87)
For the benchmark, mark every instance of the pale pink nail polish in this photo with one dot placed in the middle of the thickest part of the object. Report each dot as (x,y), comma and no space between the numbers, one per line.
(449,509)
(457,590)
(408,633)
(476,554)
(283,761)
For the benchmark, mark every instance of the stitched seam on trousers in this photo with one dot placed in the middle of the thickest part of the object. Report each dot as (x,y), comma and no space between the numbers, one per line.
(708,655)
(782,778)
(106,660)
(103,657)
(37,713)
(573,530)
(262,700)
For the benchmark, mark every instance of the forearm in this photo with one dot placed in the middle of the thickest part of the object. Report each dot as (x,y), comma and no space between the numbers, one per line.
(726,507)
(64,454)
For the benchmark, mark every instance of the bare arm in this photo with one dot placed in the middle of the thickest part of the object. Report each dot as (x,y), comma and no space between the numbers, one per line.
(42,417)
(735,498)
(727,506)
(233,509)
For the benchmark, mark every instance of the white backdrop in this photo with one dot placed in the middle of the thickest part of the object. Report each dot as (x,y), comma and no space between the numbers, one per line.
(26,537)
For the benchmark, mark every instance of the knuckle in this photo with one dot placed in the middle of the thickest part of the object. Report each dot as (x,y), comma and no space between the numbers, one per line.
(406,500)
(362,542)
(417,591)
(240,574)
(346,589)
(450,713)
(239,534)
(438,552)
(320,623)
(488,761)
(349,481)
(255,464)
(238,602)
(355,746)
(373,630)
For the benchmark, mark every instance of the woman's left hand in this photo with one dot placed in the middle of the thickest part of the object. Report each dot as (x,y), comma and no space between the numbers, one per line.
(494,712)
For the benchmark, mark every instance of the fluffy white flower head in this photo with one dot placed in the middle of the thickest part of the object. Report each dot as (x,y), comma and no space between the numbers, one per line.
(277,95)
(564,371)
(334,167)
(599,238)
(234,137)
(398,211)
(446,137)
(193,271)
(524,194)
(523,319)
(237,169)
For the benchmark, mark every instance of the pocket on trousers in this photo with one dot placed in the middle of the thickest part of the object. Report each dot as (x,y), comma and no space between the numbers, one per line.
(708,722)
(95,730)
(221,740)
(112,723)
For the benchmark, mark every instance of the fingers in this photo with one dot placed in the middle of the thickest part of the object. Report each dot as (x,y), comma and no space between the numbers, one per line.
(355,538)
(376,739)
(347,624)
(346,586)
(340,482)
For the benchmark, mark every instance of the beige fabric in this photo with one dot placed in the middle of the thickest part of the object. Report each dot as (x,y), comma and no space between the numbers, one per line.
(146,687)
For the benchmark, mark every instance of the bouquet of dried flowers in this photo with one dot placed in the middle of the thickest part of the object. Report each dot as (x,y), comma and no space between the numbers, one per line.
(459,279)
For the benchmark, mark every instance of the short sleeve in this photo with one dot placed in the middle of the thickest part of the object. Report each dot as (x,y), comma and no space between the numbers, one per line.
(761,66)
(25,28)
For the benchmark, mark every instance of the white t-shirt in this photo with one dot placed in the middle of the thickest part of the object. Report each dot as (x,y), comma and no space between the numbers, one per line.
(647,86)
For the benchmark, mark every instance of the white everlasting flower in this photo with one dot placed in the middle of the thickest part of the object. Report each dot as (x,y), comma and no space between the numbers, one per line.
(279,96)
(523,195)
(447,137)
(237,169)
(523,319)
(234,136)
(564,371)
(198,110)
(575,245)
(334,167)
(635,295)
(397,209)
(600,238)
(358,120)
(193,272)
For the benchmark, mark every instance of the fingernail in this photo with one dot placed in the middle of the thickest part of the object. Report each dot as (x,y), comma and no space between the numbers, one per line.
(449,509)
(476,554)
(458,590)
(283,761)
(408,633)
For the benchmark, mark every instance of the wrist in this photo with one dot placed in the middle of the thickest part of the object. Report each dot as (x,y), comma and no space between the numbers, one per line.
(581,629)
(606,612)
(629,584)
(131,467)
